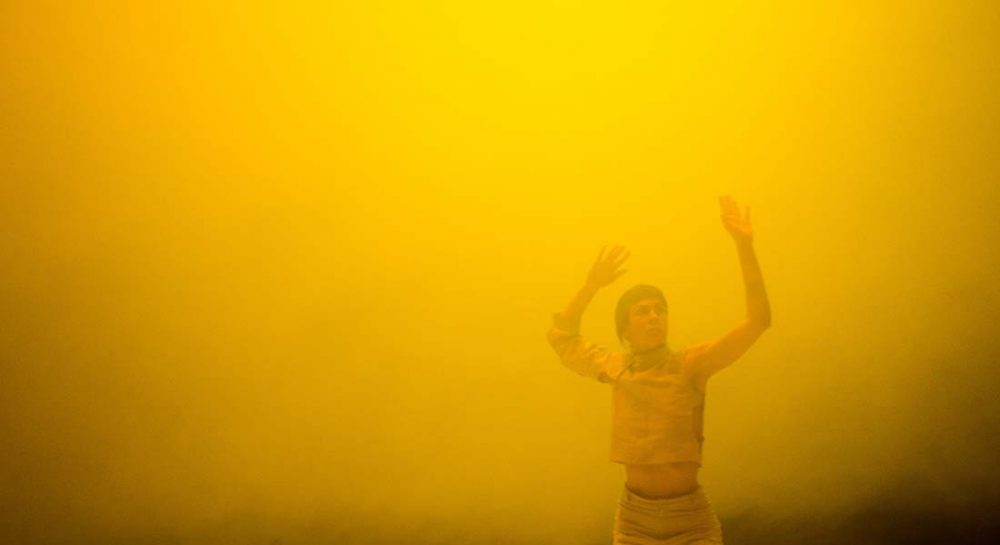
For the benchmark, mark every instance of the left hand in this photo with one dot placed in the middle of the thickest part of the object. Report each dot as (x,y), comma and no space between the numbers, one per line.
(738,225)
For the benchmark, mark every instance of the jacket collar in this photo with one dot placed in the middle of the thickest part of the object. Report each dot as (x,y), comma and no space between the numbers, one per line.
(640,361)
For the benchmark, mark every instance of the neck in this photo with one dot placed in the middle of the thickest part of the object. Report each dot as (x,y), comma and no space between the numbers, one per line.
(649,349)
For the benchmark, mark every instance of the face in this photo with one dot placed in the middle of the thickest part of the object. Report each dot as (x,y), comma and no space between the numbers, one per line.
(647,325)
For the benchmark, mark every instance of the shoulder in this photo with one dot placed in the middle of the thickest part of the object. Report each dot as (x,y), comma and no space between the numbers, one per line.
(690,355)
(691,358)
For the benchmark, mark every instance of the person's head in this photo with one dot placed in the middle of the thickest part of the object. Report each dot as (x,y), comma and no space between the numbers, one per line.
(641,317)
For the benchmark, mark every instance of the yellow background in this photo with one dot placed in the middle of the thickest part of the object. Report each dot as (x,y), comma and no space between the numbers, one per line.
(273,268)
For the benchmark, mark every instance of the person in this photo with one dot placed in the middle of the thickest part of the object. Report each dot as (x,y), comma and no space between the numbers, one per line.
(658,394)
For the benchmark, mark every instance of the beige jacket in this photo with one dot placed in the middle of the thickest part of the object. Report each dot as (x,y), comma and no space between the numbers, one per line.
(657,412)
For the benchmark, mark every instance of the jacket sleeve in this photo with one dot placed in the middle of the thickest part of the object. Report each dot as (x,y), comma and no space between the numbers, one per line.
(586,358)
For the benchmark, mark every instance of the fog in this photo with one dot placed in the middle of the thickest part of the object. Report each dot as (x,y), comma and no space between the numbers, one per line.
(283,274)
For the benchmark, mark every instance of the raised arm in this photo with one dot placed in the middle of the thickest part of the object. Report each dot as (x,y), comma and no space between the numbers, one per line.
(576,353)
(605,270)
(709,358)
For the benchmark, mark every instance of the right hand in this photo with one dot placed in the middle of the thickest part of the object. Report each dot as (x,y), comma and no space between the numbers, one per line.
(605,269)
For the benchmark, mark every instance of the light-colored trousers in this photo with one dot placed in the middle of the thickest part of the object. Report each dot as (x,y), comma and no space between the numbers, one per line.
(684,520)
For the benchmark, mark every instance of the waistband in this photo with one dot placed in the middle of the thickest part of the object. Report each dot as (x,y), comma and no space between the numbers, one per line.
(695,499)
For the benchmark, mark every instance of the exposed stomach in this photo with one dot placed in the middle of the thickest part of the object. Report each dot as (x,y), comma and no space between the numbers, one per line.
(662,480)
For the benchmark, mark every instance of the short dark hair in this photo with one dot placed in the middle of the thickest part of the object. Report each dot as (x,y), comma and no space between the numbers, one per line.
(632,296)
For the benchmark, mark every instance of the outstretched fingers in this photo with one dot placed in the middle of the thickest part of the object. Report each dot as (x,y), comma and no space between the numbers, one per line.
(606,267)
(615,252)
(621,260)
(729,209)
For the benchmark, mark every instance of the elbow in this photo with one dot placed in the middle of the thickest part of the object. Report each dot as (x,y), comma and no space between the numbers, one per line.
(561,341)
(761,320)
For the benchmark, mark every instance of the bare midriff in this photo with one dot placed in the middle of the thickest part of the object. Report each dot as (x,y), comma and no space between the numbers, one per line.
(658,481)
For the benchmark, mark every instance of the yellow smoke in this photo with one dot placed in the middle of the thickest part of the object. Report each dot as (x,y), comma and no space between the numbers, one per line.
(296,262)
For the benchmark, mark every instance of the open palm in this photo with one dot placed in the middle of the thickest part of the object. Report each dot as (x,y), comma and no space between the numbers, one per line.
(607,267)
(737,224)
